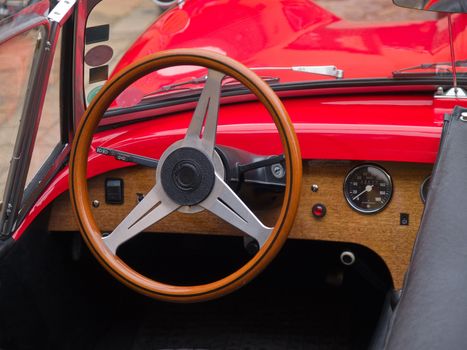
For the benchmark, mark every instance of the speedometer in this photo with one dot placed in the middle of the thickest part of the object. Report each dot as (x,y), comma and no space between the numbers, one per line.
(368,188)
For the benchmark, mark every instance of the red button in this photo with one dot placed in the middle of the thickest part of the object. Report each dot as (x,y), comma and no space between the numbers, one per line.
(318,211)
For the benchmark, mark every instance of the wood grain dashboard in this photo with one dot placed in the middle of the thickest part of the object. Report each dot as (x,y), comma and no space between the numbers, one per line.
(382,232)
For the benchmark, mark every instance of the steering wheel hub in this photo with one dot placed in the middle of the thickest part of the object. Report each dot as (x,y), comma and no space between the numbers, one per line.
(187,176)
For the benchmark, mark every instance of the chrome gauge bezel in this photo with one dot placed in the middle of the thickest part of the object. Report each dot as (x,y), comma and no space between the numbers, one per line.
(422,187)
(349,199)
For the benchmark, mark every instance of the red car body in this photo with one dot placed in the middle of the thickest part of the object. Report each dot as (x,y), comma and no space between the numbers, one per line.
(263,33)
(356,121)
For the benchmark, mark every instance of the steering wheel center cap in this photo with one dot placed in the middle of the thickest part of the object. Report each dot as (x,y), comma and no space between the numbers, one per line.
(187,176)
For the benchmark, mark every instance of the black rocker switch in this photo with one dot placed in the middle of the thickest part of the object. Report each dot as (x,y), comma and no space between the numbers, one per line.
(114,191)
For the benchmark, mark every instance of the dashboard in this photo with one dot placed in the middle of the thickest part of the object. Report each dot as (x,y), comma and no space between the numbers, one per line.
(377,205)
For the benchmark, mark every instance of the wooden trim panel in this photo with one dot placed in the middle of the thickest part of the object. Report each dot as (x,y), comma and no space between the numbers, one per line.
(380,232)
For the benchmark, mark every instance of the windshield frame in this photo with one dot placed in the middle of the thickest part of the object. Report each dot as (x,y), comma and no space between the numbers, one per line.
(183,98)
(27,19)
(17,198)
(186,100)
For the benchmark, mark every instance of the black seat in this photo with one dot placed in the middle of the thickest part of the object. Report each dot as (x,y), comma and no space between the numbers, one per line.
(432,312)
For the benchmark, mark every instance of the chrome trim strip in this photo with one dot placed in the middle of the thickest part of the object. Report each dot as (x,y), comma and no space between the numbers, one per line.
(61,11)
(30,119)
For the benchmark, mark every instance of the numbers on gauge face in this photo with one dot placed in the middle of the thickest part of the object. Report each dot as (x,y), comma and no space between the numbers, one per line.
(368,188)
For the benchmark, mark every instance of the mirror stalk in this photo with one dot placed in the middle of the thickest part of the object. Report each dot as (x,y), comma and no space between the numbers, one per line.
(455,91)
(453,56)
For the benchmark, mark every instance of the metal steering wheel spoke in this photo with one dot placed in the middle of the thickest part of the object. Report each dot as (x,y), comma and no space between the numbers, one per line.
(203,126)
(224,203)
(153,208)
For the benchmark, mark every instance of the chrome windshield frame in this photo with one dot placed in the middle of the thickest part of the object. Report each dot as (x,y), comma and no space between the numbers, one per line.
(34,16)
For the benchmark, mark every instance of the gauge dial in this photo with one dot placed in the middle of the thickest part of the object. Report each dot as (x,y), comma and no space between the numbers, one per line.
(424,188)
(368,188)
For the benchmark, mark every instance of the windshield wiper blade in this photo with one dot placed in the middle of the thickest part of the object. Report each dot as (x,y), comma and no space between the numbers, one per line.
(180,87)
(440,68)
(203,79)
(173,86)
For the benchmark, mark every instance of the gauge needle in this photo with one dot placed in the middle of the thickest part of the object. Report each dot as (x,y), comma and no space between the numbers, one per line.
(368,188)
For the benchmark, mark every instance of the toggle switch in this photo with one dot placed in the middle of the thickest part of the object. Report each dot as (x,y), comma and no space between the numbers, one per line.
(114,191)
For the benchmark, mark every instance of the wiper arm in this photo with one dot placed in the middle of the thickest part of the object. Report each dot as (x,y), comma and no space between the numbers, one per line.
(330,71)
(438,67)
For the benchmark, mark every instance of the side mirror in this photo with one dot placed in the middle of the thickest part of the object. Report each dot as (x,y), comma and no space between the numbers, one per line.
(450,6)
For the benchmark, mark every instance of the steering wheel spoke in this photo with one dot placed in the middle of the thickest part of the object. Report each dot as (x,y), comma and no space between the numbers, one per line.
(224,203)
(203,125)
(151,209)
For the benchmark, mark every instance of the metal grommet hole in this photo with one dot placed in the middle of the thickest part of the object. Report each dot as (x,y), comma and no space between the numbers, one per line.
(347,258)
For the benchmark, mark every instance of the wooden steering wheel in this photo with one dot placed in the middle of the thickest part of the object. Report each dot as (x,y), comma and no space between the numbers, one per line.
(187,175)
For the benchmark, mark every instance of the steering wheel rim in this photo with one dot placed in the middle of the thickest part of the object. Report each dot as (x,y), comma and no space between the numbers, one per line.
(78,176)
